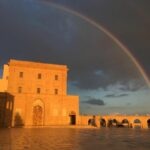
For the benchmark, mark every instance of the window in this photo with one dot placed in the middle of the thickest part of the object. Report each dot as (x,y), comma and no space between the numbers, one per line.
(38,90)
(39,76)
(19,89)
(56,91)
(56,77)
(21,74)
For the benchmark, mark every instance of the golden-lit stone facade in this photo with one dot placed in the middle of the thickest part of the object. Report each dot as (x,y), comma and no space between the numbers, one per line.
(38,94)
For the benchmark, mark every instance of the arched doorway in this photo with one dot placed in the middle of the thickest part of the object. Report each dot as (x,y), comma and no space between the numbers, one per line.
(72,116)
(90,122)
(102,123)
(37,115)
(148,123)
(125,123)
(137,123)
(114,123)
(109,123)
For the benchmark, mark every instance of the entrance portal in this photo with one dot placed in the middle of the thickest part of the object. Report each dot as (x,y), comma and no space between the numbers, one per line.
(72,119)
(125,123)
(103,122)
(148,123)
(72,116)
(137,123)
(37,115)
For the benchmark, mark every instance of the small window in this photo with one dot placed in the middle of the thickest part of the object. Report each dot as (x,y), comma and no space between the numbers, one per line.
(39,76)
(19,89)
(21,74)
(56,77)
(56,91)
(38,90)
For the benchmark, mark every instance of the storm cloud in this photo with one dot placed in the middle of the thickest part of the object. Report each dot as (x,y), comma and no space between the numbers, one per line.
(94,101)
(114,95)
(37,31)
(128,20)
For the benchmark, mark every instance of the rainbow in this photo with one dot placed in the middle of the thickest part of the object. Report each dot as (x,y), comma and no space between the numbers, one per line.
(110,35)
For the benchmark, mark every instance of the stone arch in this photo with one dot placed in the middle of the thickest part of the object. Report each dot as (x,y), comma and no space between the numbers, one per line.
(72,113)
(114,122)
(137,123)
(38,113)
(109,123)
(72,116)
(90,121)
(125,123)
(102,122)
(148,123)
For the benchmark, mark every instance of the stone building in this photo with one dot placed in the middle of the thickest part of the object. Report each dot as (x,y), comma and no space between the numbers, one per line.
(33,94)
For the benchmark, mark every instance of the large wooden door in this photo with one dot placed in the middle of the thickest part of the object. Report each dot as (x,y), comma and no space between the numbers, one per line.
(37,115)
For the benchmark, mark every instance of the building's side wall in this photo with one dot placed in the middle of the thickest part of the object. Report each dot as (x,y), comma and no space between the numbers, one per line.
(56,109)
(6,109)
(2,109)
(59,109)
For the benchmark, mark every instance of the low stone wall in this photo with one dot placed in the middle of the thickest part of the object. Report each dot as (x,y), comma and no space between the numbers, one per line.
(132,121)
(89,120)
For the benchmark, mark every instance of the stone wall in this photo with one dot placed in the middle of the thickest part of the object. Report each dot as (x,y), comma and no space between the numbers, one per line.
(6,109)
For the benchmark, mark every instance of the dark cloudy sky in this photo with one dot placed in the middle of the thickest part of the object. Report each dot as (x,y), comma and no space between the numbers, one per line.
(102,74)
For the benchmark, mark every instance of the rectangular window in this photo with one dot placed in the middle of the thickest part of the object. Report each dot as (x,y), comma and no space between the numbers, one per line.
(38,90)
(56,77)
(21,74)
(56,91)
(19,89)
(39,76)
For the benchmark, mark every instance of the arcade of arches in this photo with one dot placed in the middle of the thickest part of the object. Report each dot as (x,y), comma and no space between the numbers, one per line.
(125,121)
